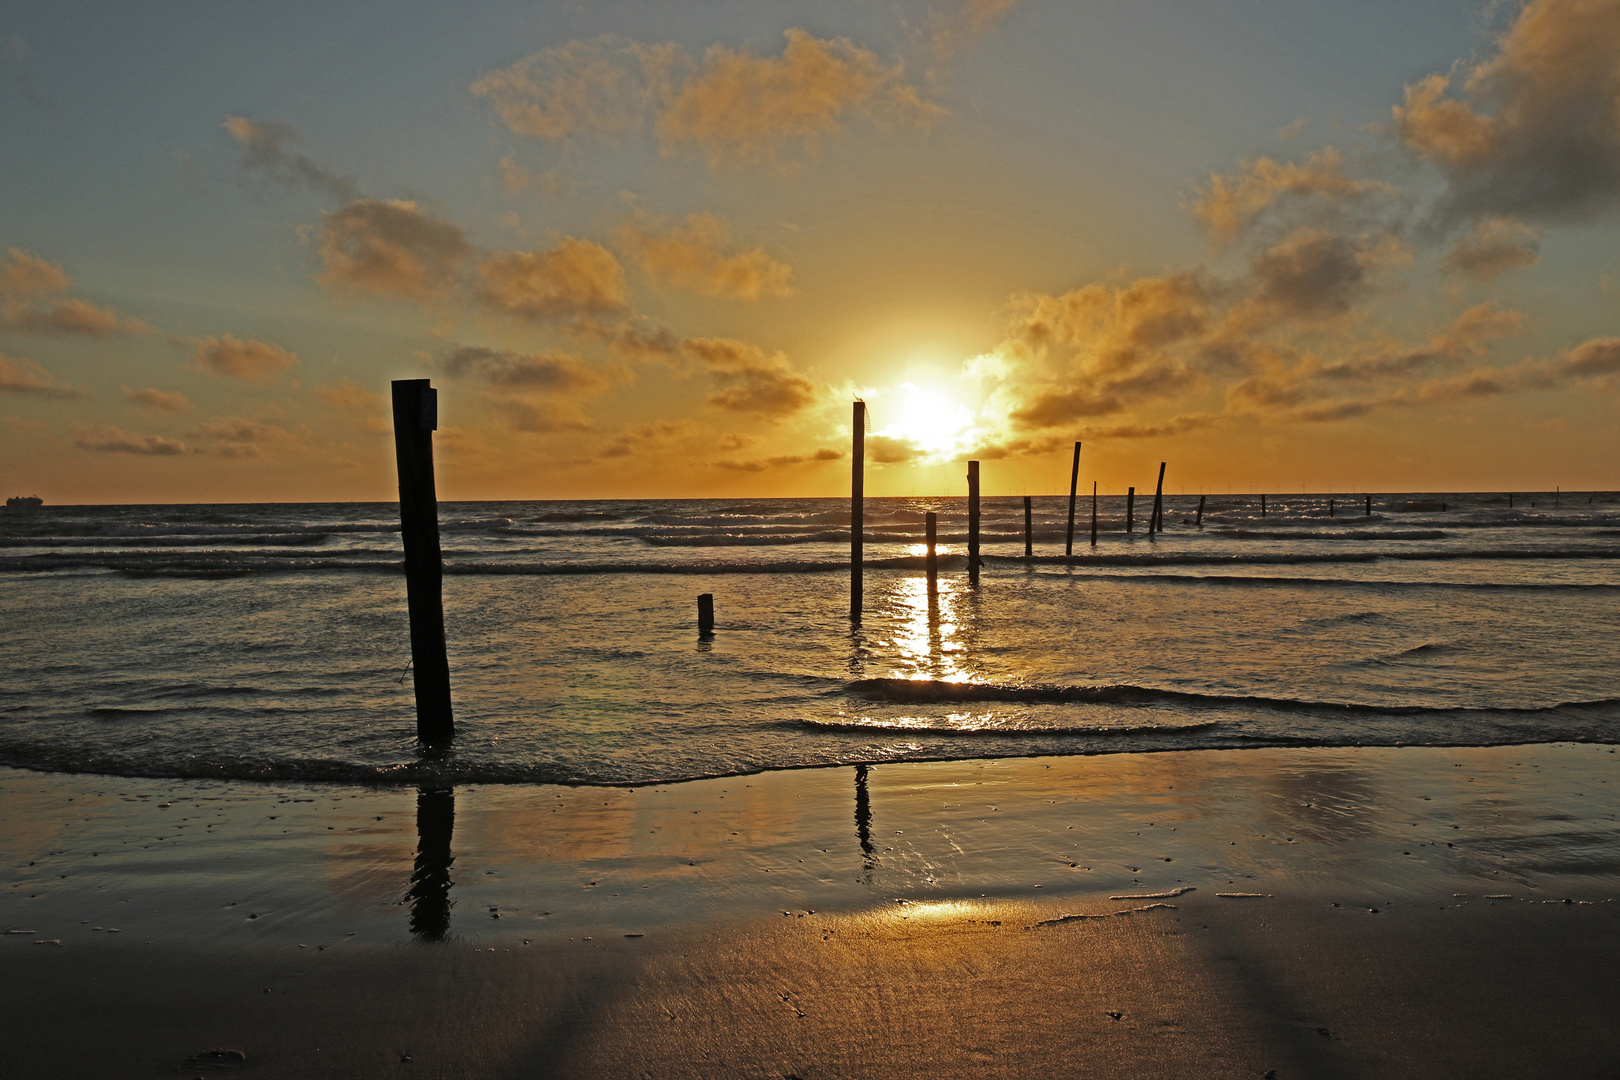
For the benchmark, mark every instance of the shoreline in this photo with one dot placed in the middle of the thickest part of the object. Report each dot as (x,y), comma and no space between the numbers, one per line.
(941,918)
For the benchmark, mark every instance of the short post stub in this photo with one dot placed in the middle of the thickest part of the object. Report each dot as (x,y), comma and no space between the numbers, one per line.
(1029,528)
(705,613)
(415,416)
(1369,504)
(1199,521)
(1262,505)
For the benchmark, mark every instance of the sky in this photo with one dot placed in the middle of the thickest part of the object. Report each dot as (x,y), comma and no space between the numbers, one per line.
(656,249)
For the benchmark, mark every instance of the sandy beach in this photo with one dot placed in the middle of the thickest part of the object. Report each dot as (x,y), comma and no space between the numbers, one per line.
(1303,913)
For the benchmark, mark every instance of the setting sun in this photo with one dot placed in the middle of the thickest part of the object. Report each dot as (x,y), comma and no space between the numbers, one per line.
(929,420)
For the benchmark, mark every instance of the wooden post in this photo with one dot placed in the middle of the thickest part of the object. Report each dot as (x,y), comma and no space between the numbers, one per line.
(1094,513)
(1262,504)
(1510,500)
(416,416)
(706,613)
(973,522)
(1074,481)
(857,509)
(1156,525)
(1130,509)
(933,553)
(1200,520)
(1029,529)
(1369,506)
(1333,505)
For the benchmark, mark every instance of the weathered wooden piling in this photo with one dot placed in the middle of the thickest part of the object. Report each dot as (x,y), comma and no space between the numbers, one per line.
(973,522)
(705,613)
(1262,504)
(416,416)
(1510,501)
(1094,513)
(857,508)
(1074,481)
(932,529)
(1156,524)
(1130,509)
(1200,520)
(1029,528)
(1369,506)
(1333,506)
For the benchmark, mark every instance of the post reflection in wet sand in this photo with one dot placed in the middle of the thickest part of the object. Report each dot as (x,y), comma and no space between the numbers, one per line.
(863,820)
(429,891)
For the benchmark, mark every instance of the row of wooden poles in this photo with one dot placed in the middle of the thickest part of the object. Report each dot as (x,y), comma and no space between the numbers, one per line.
(416,411)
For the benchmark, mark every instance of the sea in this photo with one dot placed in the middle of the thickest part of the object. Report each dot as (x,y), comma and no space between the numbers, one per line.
(271,642)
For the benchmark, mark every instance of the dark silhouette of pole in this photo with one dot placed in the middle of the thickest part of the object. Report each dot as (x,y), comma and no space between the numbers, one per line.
(1156,523)
(706,613)
(857,509)
(973,522)
(1262,504)
(416,415)
(1369,505)
(1130,509)
(1094,513)
(932,527)
(1029,529)
(429,890)
(1200,519)
(1074,481)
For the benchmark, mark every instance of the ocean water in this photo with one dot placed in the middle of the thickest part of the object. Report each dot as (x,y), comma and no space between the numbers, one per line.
(270,641)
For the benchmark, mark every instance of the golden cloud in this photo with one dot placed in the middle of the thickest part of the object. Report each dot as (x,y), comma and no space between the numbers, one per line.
(251,361)
(1230,203)
(391,249)
(107,439)
(1492,248)
(734,108)
(697,255)
(26,280)
(24,274)
(171,401)
(577,281)
(748,380)
(26,377)
(1534,131)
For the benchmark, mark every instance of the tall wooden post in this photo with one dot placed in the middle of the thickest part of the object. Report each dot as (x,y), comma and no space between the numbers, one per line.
(857,509)
(1029,528)
(1200,520)
(1074,482)
(933,553)
(1094,513)
(1369,505)
(416,416)
(1262,504)
(1156,525)
(1130,509)
(973,522)
(706,613)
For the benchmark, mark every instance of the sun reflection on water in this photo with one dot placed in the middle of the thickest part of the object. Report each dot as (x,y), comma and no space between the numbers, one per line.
(927,631)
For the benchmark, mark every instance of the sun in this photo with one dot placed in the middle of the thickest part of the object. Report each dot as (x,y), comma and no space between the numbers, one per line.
(929,419)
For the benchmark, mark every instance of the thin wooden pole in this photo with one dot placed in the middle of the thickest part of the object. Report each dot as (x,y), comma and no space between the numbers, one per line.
(1333,508)
(857,508)
(1029,528)
(1074,481)
(416,415)
(1130,509)
(1200,521)
(1094,513)
(1262,504)
(1156,525)
(932,527)
(705,613)
(973,522)
(1369,505)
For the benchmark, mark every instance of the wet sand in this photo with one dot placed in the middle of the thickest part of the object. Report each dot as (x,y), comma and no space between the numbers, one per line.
(1403,913)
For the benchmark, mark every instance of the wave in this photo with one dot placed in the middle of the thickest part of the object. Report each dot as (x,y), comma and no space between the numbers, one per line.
(929,691)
